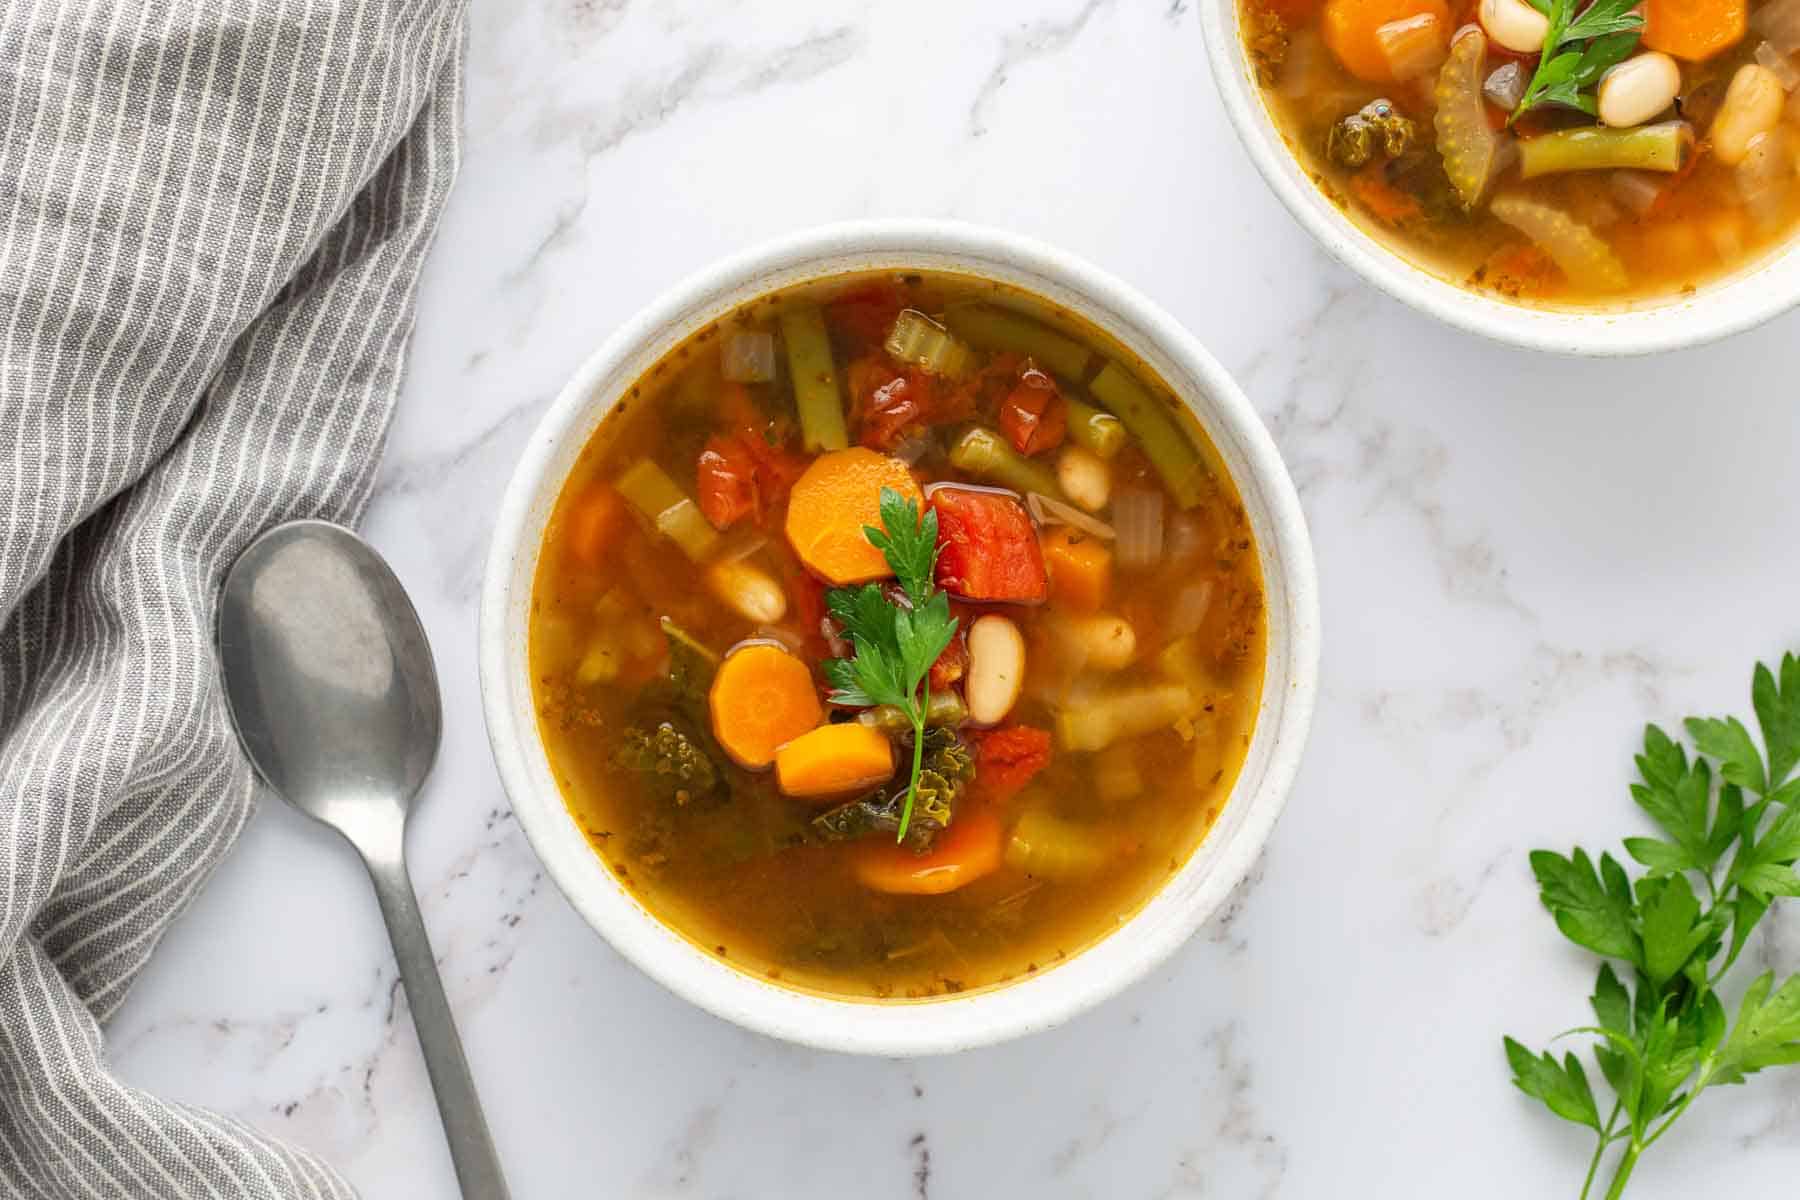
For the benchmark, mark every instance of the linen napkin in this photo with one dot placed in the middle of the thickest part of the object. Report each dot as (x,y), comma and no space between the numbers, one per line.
(212,219)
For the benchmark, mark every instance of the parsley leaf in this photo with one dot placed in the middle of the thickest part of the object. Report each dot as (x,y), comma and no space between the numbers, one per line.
(1593,914)
(894,643)
(1767,1032)
(1597,38)
(1778,713)
(1562,1087)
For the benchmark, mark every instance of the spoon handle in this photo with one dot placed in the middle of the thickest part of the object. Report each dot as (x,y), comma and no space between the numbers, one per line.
(471,1147)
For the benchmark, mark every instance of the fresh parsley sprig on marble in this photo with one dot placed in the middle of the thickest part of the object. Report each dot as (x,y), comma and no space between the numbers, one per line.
(1730,819)
(895,643)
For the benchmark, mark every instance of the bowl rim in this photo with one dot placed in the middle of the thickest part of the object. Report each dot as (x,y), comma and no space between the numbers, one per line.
(1733,303)
(989,1015)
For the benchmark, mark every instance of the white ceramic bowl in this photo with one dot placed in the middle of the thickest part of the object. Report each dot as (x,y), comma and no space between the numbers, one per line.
(1730,305)
(980,1017)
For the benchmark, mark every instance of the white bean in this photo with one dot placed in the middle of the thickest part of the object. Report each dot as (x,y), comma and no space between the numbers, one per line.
(996,669)
(1752,105)
(1637,89)
(1103,642)
(1514,24)
(1085,478)
(750,591)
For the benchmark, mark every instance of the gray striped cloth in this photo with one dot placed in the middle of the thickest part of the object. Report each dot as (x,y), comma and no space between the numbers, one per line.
(212,219)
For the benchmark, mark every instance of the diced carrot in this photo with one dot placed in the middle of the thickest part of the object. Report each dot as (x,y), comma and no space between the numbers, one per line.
(833,759)
(594,521)
(1007,759)
(1350,26)
(970,848)
(1033,416)
(1694,29)
(1385,202)
(1080,567)
(987,548)
(762,698)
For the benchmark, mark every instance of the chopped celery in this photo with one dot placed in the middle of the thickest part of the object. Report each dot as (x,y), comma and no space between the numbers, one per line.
(1095,429)
(919,341)
(817,396)
(1662,147)
(985,455)
(1048,847)
(1171,451)
(1097,722)
(1583,255)
(663,503)
(996,329)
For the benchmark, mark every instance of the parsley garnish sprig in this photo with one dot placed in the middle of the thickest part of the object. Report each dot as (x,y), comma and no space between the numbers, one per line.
(895,643)
(1597,38)
(1731,823)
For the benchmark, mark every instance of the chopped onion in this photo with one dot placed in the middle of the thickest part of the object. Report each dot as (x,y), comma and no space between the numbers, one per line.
(914,448)
(1413,46)
(748,356)
(932,489)
(1779,22)
(1138,520)
(1725,230)
(1637,190)
(1299,71)
(1188,610)
(919,341)
(778,635)
(1779,64)
(741,548)
(1046,511)
(1505,86)
(1763,179)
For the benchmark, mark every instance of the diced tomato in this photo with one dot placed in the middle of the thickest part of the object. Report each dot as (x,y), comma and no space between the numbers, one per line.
(1033,416)
(739,475)
(806,596)
(987,548)
(725,481)
(594,521)
(1006,759)
(866,315)
(951,664)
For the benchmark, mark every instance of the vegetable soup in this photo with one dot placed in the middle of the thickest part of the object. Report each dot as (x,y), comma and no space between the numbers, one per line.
(1566,153)
(898,635)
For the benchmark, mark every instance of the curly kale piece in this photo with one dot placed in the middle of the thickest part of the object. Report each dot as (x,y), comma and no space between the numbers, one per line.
(948,766)
(674,763)
(1377,128)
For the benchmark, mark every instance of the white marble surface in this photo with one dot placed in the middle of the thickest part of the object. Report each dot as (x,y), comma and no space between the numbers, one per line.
(1523,559)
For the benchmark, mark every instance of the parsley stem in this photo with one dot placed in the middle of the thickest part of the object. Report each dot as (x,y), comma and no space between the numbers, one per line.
(916,711)
(1622,1176)
(1606,1139)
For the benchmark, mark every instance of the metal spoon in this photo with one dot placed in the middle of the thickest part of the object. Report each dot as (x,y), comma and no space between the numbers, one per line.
(332,690)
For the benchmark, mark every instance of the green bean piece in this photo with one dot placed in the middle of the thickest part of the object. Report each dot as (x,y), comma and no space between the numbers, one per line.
(1172,452)
(663,503)
(1662,147)
(996,329)
(817,397)
(985,455)
(946,708)
(1095,429)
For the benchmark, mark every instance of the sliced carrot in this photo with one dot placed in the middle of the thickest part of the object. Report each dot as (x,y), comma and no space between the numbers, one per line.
(1694,29)
(761,699)
(970,848)
(595,520)
(838,495)
(1350,27)
(833,759)
(1080,569)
